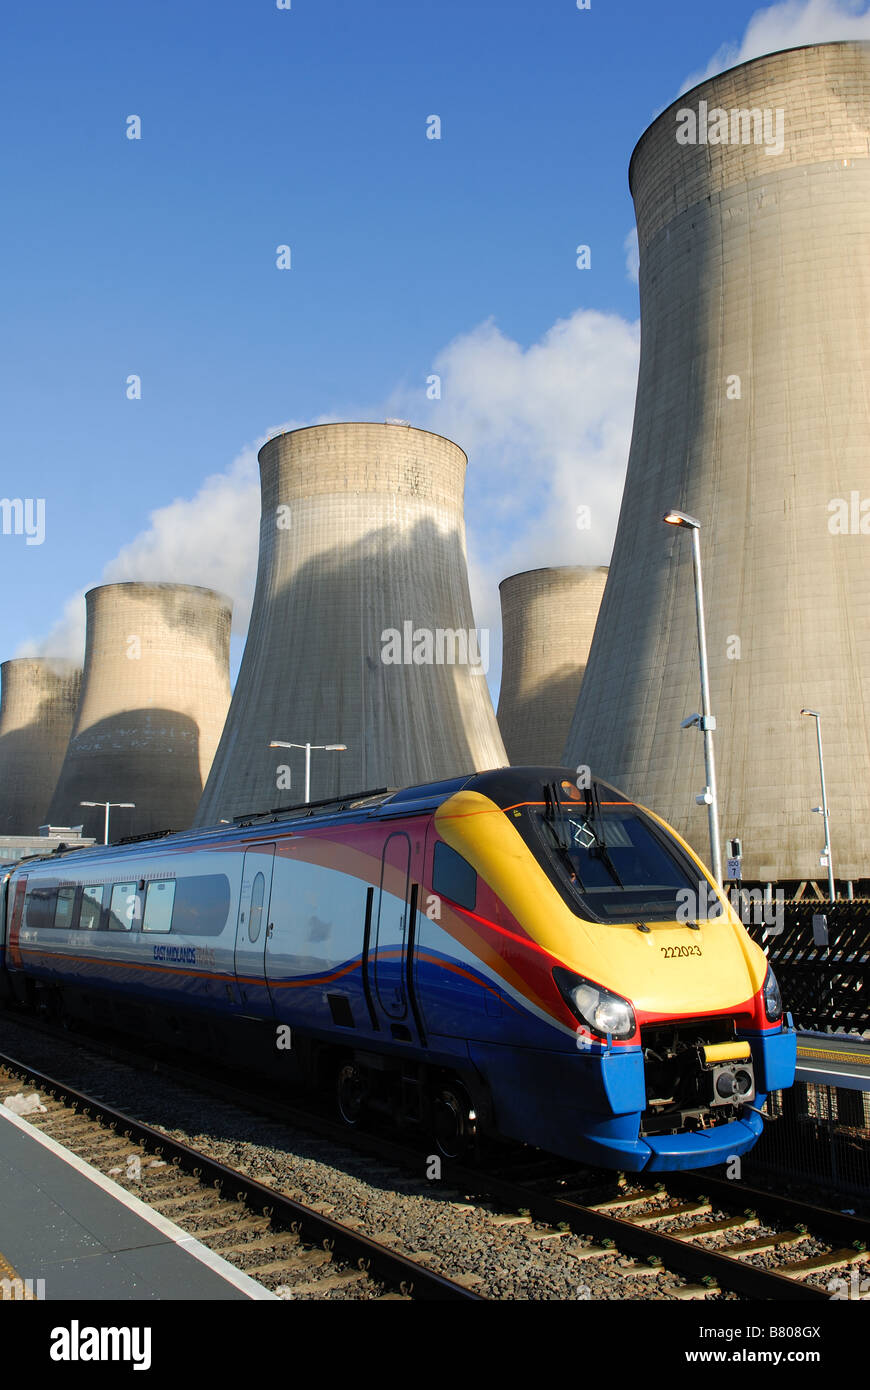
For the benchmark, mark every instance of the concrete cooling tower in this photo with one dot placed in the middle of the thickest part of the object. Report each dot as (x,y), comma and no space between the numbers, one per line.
(37,709)
(548,618)
(155,693)
(361,631)
(752,195)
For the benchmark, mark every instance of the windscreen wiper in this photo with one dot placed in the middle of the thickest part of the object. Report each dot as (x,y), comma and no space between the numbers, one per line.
(593,804)
(554,814)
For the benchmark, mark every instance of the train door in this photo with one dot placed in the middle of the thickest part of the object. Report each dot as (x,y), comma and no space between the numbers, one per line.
(252,930)
(391,936)
(4,886)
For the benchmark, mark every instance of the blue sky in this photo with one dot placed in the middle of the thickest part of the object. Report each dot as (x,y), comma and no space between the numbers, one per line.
(307,127)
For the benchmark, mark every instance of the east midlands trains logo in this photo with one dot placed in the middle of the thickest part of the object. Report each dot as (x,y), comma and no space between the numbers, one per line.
(185,955)
(738,127)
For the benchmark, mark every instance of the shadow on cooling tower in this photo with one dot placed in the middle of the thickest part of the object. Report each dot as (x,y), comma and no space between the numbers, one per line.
(147,756)
(28,775)
(36,713)
(316,669)
(535,727)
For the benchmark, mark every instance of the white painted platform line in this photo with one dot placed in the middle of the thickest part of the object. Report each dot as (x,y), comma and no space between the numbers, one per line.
(160,1223)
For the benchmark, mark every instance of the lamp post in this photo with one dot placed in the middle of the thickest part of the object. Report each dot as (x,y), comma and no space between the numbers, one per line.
(107,804)
(318,748)
(814,714)
(705,721)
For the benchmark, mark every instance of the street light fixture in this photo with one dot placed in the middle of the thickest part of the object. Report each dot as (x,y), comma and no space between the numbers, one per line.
(107,804)
(832,891)
(705,721)
(318,748)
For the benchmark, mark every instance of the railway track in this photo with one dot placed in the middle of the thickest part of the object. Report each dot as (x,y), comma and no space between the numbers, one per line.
(696,1225)
(691,1236)
(289,1247)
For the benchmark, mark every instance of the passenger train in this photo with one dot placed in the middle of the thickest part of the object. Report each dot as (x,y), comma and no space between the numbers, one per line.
(502,954)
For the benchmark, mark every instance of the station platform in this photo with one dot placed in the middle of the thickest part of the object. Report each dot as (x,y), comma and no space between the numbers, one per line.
(833,1059)
(67,1232)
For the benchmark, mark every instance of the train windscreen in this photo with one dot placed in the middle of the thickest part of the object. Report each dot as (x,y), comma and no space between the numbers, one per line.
(613,863)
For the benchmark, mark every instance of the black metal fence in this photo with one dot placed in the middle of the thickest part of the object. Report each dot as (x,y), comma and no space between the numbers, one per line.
(816,1143)
(821,958)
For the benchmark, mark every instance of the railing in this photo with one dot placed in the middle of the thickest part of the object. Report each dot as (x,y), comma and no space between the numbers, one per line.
(818,1138)
(821,958)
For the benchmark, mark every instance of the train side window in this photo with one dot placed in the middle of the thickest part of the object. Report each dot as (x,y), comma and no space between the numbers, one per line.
(124,908)
(159,901)
(453,877)
(63,912)
(92,907)
(40,907)
(202,904)
(255,912)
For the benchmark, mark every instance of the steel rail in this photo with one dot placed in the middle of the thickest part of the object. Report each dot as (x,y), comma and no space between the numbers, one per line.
(677,1255)
(411,1278)
(823,1221)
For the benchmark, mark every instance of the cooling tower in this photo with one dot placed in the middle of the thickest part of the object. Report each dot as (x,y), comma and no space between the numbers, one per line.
(548,618)
(361,631)
(753,415)
(155,693)
(37,709)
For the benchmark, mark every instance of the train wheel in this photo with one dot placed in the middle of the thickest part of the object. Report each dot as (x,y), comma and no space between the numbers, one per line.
(454,1122)
(350,1093)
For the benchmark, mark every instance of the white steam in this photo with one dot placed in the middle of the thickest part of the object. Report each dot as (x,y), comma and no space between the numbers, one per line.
(789,24)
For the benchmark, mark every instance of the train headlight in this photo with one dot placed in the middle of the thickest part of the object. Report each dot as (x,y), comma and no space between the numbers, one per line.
(772,997)
(600,1009)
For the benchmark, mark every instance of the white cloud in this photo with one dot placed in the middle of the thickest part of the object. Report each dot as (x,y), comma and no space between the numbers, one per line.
(547,430)
(789,24)
(208,539)
(66,638)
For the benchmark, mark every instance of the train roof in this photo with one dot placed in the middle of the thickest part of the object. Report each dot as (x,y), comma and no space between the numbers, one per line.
(505,786)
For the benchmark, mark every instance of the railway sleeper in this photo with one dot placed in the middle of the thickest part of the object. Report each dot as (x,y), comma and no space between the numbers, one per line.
(712,1228)
(319,1287)
(758,1245)
(289,1263)
(817,1264)
(271,1240)
(230,1228)
(648,1218)
(691,1292)
(649,1194)
(214,1205)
